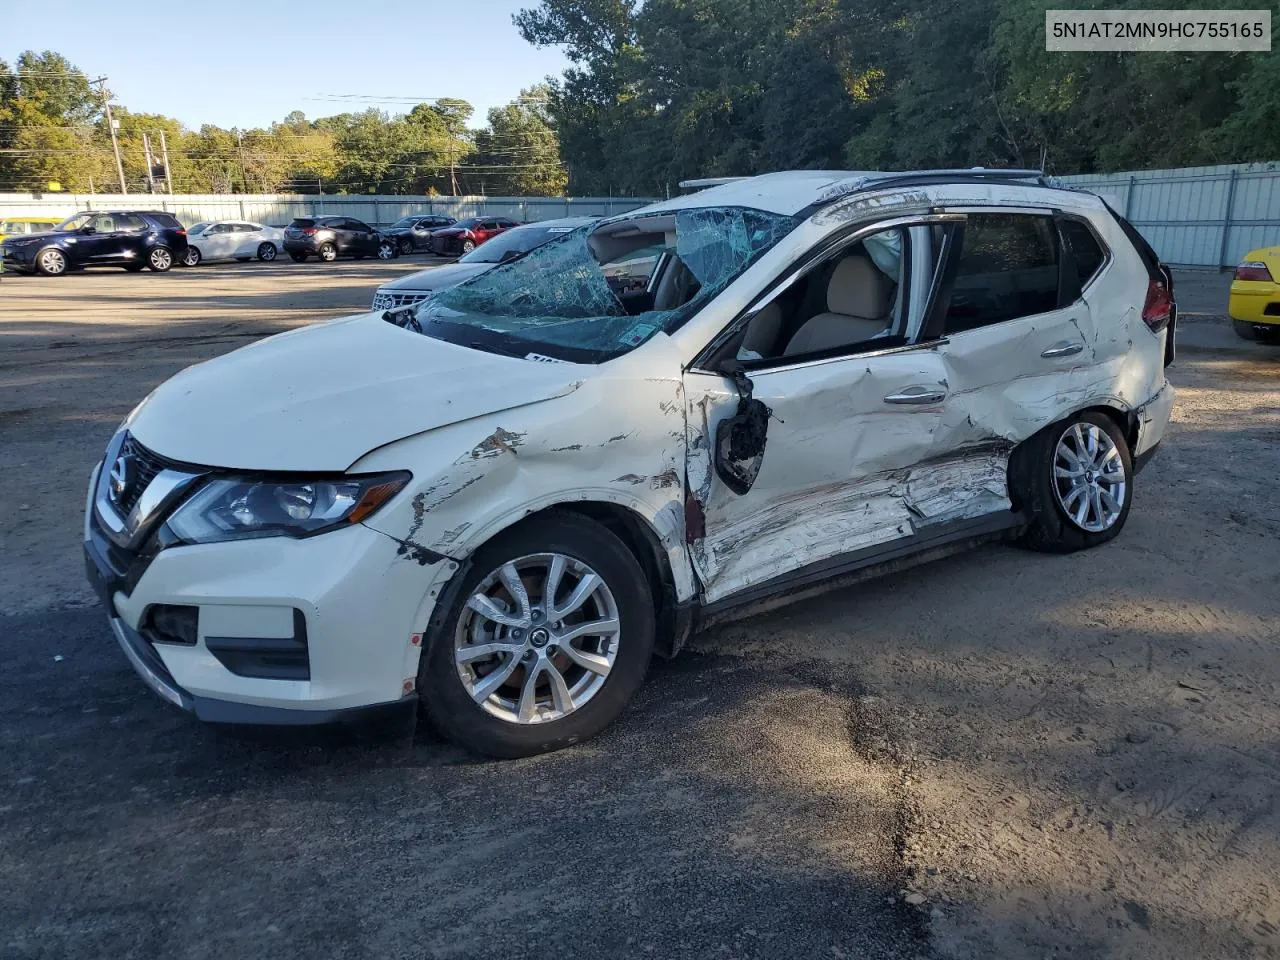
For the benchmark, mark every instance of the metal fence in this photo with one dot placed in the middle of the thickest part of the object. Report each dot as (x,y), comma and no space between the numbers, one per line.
(278,209)
(1197,216)
(1194,216)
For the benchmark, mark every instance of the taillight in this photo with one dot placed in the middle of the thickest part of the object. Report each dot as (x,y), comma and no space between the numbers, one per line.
(182,232)
(1254,270)
(1159,306)
(308,231)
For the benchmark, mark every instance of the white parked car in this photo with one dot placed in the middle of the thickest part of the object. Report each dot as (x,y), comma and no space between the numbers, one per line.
(496,506)
(240,240)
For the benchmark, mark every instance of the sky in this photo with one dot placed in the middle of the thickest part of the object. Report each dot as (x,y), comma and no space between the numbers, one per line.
(240,64)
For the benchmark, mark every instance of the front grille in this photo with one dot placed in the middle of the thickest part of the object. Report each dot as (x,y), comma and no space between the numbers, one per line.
(389,301)
(147,464)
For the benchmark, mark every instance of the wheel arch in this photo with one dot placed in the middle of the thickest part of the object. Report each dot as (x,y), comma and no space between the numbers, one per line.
(642,539)
(1125,418)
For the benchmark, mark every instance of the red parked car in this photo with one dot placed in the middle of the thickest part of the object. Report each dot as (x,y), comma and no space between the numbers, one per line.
(465,235)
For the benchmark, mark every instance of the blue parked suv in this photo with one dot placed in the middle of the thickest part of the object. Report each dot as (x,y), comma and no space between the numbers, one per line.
(133,239)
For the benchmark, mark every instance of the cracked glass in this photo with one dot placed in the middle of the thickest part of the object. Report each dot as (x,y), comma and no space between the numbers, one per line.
(589,299)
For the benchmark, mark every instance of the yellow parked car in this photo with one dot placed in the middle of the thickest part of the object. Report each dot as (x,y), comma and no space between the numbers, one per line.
(20,226)
(1254,304)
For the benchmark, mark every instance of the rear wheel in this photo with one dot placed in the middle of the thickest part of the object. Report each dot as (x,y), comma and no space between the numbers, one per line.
(266,252)
(468,246)
(297,257)
(192,257)
(546,639)
(328,252)
(51,262)
(406,246)
(1075,479)
(160,259)
(1244,331)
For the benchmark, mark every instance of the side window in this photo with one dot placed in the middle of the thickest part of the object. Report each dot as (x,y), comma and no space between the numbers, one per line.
(1008,268)
(221,228)
(358,225)
(853,300)
(103,223)
(1086,251)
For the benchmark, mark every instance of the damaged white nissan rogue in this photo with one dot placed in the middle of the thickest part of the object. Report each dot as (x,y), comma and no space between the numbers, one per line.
(493,508)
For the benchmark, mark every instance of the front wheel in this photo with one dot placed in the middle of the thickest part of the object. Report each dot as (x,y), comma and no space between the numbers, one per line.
(1075,479)
(266,252)
(387,250)
(192,257)
(51,262)
(160,259)
(468,246)
(328,252)
(544,641)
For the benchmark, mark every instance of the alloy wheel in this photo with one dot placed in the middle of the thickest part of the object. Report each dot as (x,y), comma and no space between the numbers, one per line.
(161,259)
(53,262)
(537,639)
(1089,477)
(386,251)
(191,257)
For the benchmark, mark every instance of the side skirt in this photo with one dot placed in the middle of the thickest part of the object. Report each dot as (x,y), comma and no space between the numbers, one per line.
(925,545)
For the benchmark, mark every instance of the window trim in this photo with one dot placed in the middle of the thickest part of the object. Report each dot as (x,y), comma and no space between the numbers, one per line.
(826,247)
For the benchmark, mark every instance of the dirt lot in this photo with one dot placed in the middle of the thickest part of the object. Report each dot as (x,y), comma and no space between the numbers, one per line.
(1057,756)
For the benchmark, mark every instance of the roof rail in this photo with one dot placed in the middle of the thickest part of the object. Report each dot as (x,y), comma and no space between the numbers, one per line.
(985,174)
(705,182)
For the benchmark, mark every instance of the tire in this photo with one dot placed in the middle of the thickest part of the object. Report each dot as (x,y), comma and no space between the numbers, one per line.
(297,257)
(160,259)
(266,251)
(192,257)
(1244,331)
(467,246)
(328,252)
(1040,489)
(406,246)
(51,262)
(444,700)
(387,250)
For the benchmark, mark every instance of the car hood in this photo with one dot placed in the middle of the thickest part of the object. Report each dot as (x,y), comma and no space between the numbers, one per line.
(43,235)
(439,278)
(319,398)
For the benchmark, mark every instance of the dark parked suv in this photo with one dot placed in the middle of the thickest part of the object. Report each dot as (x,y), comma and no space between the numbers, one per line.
(414,233)
(331,237)
(133,239)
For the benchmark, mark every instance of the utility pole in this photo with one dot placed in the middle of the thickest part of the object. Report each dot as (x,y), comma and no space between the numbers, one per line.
(244,180)
(168,174)
(111,125)
(146,157)
(453,173)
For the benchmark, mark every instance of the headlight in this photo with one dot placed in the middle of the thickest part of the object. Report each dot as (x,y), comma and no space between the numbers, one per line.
(236,509)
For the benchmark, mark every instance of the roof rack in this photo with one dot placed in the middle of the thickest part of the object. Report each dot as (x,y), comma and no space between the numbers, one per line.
(705,182)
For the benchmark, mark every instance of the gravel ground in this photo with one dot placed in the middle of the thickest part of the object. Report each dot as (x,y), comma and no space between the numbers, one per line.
(999,754)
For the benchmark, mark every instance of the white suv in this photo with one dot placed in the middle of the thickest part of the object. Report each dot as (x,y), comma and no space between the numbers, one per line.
(496,506)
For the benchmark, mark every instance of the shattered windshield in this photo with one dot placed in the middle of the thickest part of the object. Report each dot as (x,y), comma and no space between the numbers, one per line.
(602,290)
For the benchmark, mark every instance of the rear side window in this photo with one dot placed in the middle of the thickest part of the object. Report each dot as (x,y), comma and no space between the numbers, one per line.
(165,220)
(302,222)
(1085,249)
(1008,268)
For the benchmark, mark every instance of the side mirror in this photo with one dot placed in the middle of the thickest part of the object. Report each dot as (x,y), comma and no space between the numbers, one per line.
(740,439)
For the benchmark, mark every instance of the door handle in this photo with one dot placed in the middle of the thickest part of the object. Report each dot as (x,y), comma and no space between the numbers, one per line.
(920,396)
(1062,350)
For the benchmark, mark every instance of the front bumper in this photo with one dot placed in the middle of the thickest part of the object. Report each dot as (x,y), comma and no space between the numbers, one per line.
(359,600)
(19,259)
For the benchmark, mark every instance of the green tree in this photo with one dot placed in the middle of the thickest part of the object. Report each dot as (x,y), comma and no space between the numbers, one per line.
(518,153)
